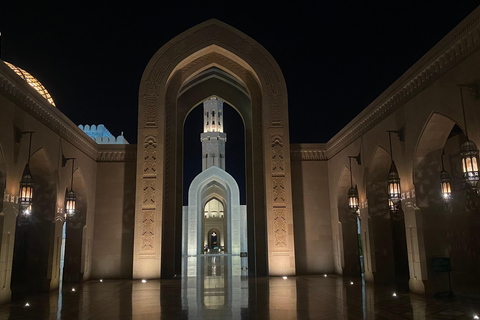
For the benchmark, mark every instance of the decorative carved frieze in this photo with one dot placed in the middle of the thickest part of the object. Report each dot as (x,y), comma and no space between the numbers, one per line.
(33,103)
(278,190)
(148,231)
(459,44)
(150,110)
(278,161)
(149,189)
(280,227)
(308,152)
(150,157)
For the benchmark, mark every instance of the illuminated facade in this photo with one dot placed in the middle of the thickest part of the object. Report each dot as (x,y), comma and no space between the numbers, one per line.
(213,196)
(296,219)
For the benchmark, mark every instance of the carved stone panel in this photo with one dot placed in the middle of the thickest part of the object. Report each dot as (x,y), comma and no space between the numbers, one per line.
(150,111)
(148,232)
(149,192)
(278,190)
(150,157)
(278,162)
(280,228)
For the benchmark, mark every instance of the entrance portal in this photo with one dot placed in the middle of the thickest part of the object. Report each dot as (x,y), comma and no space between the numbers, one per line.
(212,59)
(214,196)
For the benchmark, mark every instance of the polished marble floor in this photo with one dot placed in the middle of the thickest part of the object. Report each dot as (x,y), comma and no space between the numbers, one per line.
(216,287)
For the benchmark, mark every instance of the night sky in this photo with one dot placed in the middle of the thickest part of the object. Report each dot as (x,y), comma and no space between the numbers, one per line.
(336,56)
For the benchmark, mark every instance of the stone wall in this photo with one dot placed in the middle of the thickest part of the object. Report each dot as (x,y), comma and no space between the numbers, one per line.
(115,213)
(311,210)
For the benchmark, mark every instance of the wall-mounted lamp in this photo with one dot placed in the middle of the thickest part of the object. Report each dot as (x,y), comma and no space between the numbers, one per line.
(70,198)
(352,194)
(26,184)
(468,149)
(446,184)
(393,181)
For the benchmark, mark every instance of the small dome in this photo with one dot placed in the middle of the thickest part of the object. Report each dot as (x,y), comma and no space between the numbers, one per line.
(32,81)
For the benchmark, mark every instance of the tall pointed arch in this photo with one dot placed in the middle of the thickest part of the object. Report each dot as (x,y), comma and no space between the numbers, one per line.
(256,87)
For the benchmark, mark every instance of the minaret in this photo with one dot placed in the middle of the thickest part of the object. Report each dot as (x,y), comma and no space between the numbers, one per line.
(213,139)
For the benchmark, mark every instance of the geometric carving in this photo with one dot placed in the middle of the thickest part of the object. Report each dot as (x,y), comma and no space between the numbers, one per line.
(150,157)
(149,191)
(278,190)
(148,231)
(280,227)
(278,162)
(150,111)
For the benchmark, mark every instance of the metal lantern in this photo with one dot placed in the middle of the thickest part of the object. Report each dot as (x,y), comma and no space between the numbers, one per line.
(70,198)
(393,181)
(392,207)
(353,199)
(352,194)
(70,201)
(469,153)
(26,192)
(446,184)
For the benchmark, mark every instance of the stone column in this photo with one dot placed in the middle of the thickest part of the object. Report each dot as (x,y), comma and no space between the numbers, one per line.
(368,244)
(281,249)
(9,214)
(417,261)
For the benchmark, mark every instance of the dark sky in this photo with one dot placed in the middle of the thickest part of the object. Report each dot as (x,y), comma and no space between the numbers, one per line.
(336,56)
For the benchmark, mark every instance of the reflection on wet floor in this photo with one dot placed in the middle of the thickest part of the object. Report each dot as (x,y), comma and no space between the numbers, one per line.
(216,287)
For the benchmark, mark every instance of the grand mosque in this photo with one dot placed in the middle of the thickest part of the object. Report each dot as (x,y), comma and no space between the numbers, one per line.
(392,198)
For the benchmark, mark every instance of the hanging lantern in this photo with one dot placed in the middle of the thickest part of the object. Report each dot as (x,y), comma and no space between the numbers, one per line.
(70,201)
(353,200)
(446,184)
(70,197)
(352,193)
(393,183)
(469,153)
(392,207)
(26,192)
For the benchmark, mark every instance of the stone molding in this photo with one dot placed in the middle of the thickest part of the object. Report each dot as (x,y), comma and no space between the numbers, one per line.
(308,151)
(25,97)
(117,153)
(458,44)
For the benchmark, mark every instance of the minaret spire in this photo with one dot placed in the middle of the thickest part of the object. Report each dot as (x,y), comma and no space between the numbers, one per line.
(213,138)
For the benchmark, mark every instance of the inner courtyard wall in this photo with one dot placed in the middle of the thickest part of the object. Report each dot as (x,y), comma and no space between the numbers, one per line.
(23,109)
(430,87)
(109,172)
(311,209)
(114,213)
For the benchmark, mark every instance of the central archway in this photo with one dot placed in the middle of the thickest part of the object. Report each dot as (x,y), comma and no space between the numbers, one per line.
(213,59)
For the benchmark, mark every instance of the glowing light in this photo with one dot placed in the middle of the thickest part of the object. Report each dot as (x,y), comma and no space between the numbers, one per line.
(325,275)
(101,280)
(27,304)
(34,83)
(284,278)
(394,294)
(476,317)
(28,210)
(73,289)
(351,282)
(144,281)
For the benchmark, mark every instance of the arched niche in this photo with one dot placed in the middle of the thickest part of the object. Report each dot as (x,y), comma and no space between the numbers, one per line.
(460,219)
(212,59)
(34,241)
(389,245)
(213,182)
(350,245)
(428,158)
